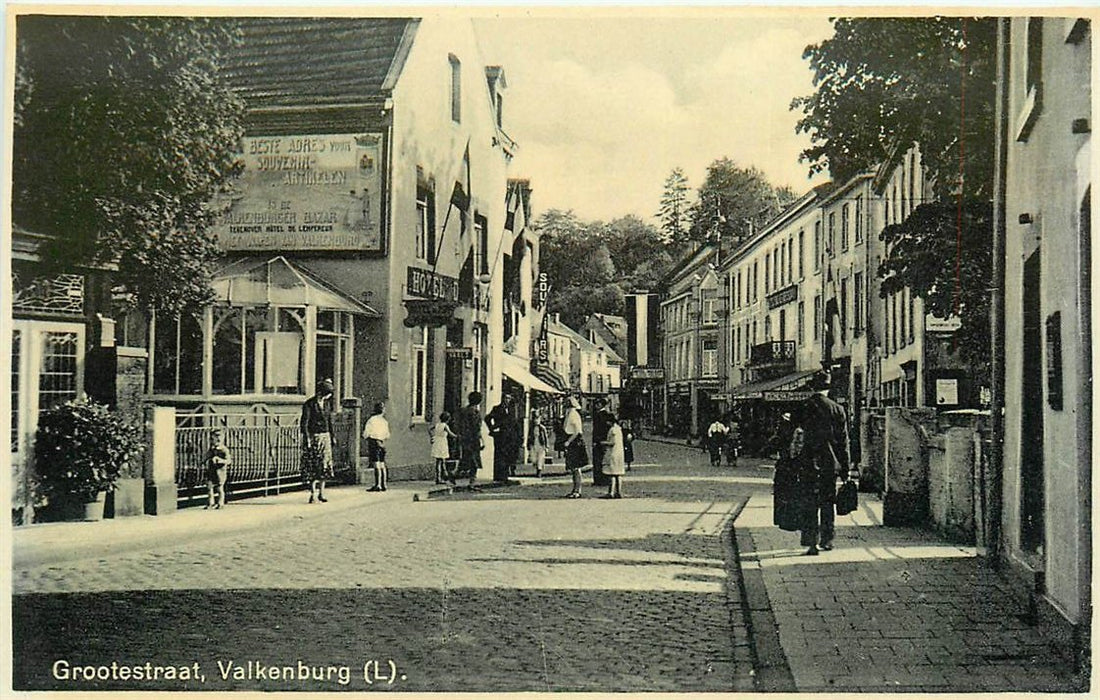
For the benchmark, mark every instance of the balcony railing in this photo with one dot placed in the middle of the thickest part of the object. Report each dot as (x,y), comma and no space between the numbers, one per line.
(774,352)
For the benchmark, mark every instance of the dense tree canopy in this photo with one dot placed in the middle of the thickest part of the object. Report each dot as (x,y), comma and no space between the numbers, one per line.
(124,134)
(733,201)
(880,81)
(592,264)
(942,253)
(885,83)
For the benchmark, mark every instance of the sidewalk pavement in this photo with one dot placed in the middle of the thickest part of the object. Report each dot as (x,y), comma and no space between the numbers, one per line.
(888,610)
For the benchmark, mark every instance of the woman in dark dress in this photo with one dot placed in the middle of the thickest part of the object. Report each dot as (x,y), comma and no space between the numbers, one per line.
(316,428)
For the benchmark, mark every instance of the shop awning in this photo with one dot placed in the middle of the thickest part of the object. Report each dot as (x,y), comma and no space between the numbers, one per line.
(279,282)
(789,387)
(548,375)
(516,369)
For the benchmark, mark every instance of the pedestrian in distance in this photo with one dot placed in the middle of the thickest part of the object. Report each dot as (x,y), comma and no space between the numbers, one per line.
(716,439)
(628,443)
(316,429)
(785,513)
(601,423)
(504,430)
(733,441)
(470,442)
(218,460)
(614,466)
(376,431)
(823,459)
(538,442)
(576,455)
(440,435)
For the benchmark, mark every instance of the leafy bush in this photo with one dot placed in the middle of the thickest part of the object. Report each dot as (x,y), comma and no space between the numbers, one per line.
(81,449)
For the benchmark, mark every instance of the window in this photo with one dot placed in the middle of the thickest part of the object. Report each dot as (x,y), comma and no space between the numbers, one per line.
(887,336)
(857,301)
(419,403)
(748,342)
(801,253)
(893,323)
(903,337)
(425,223)
(710,357)
(481,236)
(709,316)
(844,215)
(177,354)
(755,280)
(859,219)
(831,245)
(911,332)
(334,346)
(57,377)
(767,272)
(844,310)
(801,323)
(790,260)
(767,328)
(817,316)
(477,342)
(817,245)
(456,89)
(1034,74)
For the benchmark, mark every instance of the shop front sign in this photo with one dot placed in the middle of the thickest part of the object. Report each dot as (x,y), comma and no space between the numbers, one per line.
(305,193)
(429,313)
(427,284)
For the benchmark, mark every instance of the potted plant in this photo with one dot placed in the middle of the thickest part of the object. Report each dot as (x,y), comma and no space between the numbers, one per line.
(80,450)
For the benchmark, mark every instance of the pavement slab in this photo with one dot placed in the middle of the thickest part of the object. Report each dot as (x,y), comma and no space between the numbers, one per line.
(888,610)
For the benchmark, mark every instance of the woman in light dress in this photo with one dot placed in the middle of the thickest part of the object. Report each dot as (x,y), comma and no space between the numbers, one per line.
(614,464)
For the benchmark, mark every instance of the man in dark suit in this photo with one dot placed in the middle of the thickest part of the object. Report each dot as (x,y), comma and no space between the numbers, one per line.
(824,458)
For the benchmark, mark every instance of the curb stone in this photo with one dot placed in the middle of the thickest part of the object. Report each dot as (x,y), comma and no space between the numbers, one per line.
(772,669)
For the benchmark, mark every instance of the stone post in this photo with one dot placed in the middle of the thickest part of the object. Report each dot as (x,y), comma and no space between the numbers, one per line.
(354,405)
(160,460)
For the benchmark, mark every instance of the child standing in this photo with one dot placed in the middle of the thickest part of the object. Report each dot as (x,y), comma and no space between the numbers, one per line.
(628,443)
(377,431)
(614,465)
(441,449)
(218,460)
(538,443)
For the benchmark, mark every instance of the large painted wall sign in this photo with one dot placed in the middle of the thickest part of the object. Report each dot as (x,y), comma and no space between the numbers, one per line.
(300,193)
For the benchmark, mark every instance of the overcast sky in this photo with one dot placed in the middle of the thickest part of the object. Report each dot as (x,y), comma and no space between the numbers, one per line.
(604,108)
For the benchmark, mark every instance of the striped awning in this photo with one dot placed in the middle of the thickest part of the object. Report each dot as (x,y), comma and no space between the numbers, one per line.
(548,375)
(785,388)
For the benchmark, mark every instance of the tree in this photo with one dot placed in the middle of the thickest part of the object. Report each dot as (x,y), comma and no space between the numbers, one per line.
(886,83)
(881,81)
(571,252)
(734,201)
(942,254)
(577,303)
(124,134)
(673,213)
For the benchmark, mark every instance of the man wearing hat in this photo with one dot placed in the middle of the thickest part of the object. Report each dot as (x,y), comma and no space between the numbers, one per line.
(824,458)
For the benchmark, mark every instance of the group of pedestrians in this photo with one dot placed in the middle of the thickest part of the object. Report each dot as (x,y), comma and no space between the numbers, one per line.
(457,442)
(723,438)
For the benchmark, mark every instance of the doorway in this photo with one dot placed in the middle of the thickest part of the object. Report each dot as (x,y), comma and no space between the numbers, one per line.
(1032,496)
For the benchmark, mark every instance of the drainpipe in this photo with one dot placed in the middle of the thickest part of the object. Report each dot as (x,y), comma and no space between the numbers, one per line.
(993,481)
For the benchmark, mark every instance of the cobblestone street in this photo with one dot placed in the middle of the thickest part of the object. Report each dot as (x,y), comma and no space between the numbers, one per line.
(511,589)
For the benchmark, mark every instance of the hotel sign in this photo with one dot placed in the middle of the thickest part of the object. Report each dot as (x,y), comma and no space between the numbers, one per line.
(783,296)
(431,285)
(305,193)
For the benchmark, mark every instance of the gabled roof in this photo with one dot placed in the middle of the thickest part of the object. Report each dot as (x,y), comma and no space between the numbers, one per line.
(318,62)
(563,330)
(276,281)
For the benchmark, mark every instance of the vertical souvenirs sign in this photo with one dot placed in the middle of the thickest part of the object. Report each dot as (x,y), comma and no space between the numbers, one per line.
(303,193)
